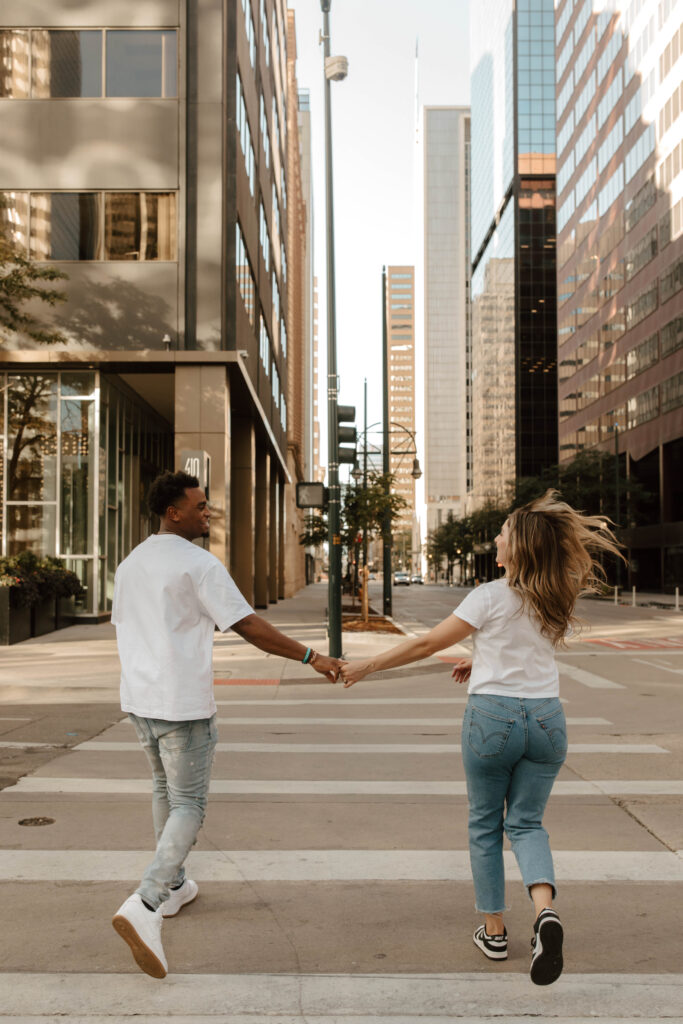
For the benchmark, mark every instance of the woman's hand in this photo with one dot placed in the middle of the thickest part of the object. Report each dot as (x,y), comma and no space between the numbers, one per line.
(462,670)
(353,671)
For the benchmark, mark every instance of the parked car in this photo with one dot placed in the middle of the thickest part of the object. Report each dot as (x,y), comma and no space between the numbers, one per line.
(416,578)
(401,579)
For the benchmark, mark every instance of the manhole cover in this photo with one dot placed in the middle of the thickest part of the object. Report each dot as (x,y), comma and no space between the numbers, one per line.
(37,821)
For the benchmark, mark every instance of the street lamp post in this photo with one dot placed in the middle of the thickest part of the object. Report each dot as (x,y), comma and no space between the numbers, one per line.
(386,526)
(335,69)
(617,497)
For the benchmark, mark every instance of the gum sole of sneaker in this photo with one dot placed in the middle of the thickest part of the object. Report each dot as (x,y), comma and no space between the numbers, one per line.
(167,917)
(146,960)
(547,967)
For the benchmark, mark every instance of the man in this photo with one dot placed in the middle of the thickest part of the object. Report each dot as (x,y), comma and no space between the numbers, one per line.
(169,594)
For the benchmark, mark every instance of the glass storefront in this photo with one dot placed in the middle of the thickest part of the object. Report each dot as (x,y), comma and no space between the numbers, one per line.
(78,451)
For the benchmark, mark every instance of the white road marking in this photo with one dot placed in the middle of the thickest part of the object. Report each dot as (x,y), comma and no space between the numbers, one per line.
(664,668)
(337,787)
(580,675)
(330,865)
(27,743)
(331,720)
(373,748)
(319,701)
(332,998)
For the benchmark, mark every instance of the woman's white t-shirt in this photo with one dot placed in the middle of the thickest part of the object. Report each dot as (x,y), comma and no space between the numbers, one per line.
(511,657)
(169,594)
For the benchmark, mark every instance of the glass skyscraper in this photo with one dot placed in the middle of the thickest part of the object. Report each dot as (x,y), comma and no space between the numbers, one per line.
(514,291)
(620,261)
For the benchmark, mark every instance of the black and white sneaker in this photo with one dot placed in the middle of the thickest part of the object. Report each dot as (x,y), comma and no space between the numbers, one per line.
(495,947)
(546,948)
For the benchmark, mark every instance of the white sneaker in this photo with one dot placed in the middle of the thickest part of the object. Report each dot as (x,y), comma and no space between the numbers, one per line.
(179,898)
(141,929)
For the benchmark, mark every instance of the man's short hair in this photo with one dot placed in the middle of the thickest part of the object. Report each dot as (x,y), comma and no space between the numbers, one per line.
(167,489)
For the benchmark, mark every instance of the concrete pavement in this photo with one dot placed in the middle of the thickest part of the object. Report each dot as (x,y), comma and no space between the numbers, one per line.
(334,882)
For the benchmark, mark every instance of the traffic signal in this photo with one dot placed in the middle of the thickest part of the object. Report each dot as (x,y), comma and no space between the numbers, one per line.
(346,435)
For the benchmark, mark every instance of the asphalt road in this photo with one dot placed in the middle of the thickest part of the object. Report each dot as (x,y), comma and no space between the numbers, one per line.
(333,868)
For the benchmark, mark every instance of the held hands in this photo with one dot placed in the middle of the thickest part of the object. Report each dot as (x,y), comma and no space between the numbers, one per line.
(462,670)
(329,667)
(353,671)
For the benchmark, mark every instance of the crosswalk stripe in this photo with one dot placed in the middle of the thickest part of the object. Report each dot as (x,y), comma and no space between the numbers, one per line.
(331,998)
(594,682)
(339,787)
(331,865)
(374,748)
(368,722)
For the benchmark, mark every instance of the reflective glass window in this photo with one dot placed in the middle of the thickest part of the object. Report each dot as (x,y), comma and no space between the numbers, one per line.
(140,226)
(32,437)
(14,208)
(14,63)
(66,63)
(65,226)
(142,63)
(77,475)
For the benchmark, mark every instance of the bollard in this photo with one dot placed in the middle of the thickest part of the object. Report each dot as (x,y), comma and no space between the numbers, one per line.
(678,607)
(633,597)
(616,595)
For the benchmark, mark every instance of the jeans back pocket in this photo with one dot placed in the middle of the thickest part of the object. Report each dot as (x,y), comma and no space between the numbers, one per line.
(554,726)
(487,734)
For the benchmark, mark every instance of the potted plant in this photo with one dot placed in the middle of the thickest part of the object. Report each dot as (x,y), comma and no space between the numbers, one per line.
(30,591)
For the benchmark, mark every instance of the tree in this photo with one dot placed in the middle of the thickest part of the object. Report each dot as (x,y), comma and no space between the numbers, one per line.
(363,509)
(22,281)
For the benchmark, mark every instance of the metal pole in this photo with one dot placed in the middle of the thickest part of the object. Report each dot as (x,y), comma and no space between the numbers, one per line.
(334,600)
(386,531)
(616,492)
(365,465)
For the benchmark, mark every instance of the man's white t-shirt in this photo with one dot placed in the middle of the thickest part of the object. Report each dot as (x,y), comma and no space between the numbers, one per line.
(168,595)
(511,657)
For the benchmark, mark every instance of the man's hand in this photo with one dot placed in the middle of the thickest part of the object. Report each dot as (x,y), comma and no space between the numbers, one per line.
(330,667)
(462,670)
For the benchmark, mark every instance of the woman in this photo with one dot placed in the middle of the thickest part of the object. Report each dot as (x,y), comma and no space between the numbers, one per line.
(514,738)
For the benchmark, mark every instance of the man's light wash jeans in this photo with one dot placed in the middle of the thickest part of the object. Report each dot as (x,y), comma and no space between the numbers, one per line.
(181,755)
(512,750)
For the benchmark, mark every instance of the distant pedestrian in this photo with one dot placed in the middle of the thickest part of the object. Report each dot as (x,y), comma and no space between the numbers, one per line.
(169,595)
(514,738)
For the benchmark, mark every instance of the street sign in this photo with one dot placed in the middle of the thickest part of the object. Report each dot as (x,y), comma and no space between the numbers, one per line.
(311,495)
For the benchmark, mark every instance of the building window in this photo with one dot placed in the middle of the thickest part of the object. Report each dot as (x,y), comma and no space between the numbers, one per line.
(264,345)
(276,214)
(99,225)
(265,135)
(283,262)
(245,137)
(265,35)
(141,63)
(66,63)
(264,236)
(251,31)
(283,188)
(283,337)
(245,278)
(139,226)
(643,407)
(672,393)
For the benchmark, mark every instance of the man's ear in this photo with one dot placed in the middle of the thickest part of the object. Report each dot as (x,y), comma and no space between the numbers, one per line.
(172,513)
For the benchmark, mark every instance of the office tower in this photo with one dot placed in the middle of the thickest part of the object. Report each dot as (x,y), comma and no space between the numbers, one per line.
(620,262)
(153,165)
(514,329)
(400,299)
(446,178)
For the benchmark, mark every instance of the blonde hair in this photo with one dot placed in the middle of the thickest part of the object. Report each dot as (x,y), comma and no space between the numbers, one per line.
(551,560)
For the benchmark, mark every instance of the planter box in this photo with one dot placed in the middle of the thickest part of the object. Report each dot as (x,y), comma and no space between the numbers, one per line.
(43,617)
(66,612)
(15,623)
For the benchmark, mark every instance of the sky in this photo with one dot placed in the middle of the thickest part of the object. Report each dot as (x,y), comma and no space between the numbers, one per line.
(375,162)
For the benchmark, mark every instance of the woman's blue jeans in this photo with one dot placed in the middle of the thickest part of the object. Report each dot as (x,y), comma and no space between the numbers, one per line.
(512,750)
(180,755)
